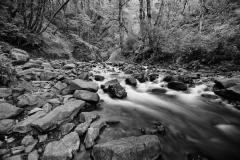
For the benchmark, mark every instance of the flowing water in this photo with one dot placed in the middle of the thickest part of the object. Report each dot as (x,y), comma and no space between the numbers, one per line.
(193,124)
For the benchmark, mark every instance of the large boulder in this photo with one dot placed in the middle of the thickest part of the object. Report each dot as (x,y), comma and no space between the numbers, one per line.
(25,125)
(108,83)
(167,78)
(131,81)
(79,84)
(58,116)
(117,91)
(99,78)
(9,111)
(34,100)
(86,96)
(62,149)
(153,76)
(226,82)
(232,93)
(145,147)
(19,56)
(141,77)
(179,86)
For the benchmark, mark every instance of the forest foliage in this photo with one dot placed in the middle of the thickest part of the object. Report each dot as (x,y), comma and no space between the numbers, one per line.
(146,30)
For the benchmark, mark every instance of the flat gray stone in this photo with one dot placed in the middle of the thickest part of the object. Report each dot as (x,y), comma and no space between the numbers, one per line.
(25,125)
(86,96)
(6,126)
(9,111)
(79,84)
(58,116)
(62,149)
(145,147)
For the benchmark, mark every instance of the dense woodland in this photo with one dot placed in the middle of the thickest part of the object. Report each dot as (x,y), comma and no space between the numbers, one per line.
(119,79)
(202,30)
(188,32)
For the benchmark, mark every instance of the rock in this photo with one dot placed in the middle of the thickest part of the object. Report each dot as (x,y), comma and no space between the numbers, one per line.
(62,149)
(17,157)
(5,92)
(145,147)
(66,128)
(99,78)
(33,155)
(232,93)
(88,116)
(86,96)
(141,77)
(108,83)
(29,143)
(54,102)
(47,66)
(58,116)
(168,78)
(226,82)
(48,75)
(117,91)
(16,92)
(25,125)
(9,111)
(177,78)
(153,76)
(31,65)
(195,75)
(131,81)
(19,56)
(42,138)
(79,84)
(1,144)
(60,86)
(3,152)
(84,76)
(159,90)
(47,107)
(69,66)
(82,128)
(17,150)
(92,133)
(179,86)
(128,71)
(6,126)
(209,96)
(35,110)
(187,79)
(34,100)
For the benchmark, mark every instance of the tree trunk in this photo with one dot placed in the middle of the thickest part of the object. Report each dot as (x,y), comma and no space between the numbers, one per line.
(120,20)
(149,17)
(31,14)
(159,13)
(142,19)
(202,12)
(65,3)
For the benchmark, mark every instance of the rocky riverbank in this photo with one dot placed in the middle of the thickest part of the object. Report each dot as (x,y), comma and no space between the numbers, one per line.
(52,110)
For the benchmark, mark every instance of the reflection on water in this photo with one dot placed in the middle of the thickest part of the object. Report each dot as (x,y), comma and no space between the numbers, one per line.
(192,123)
